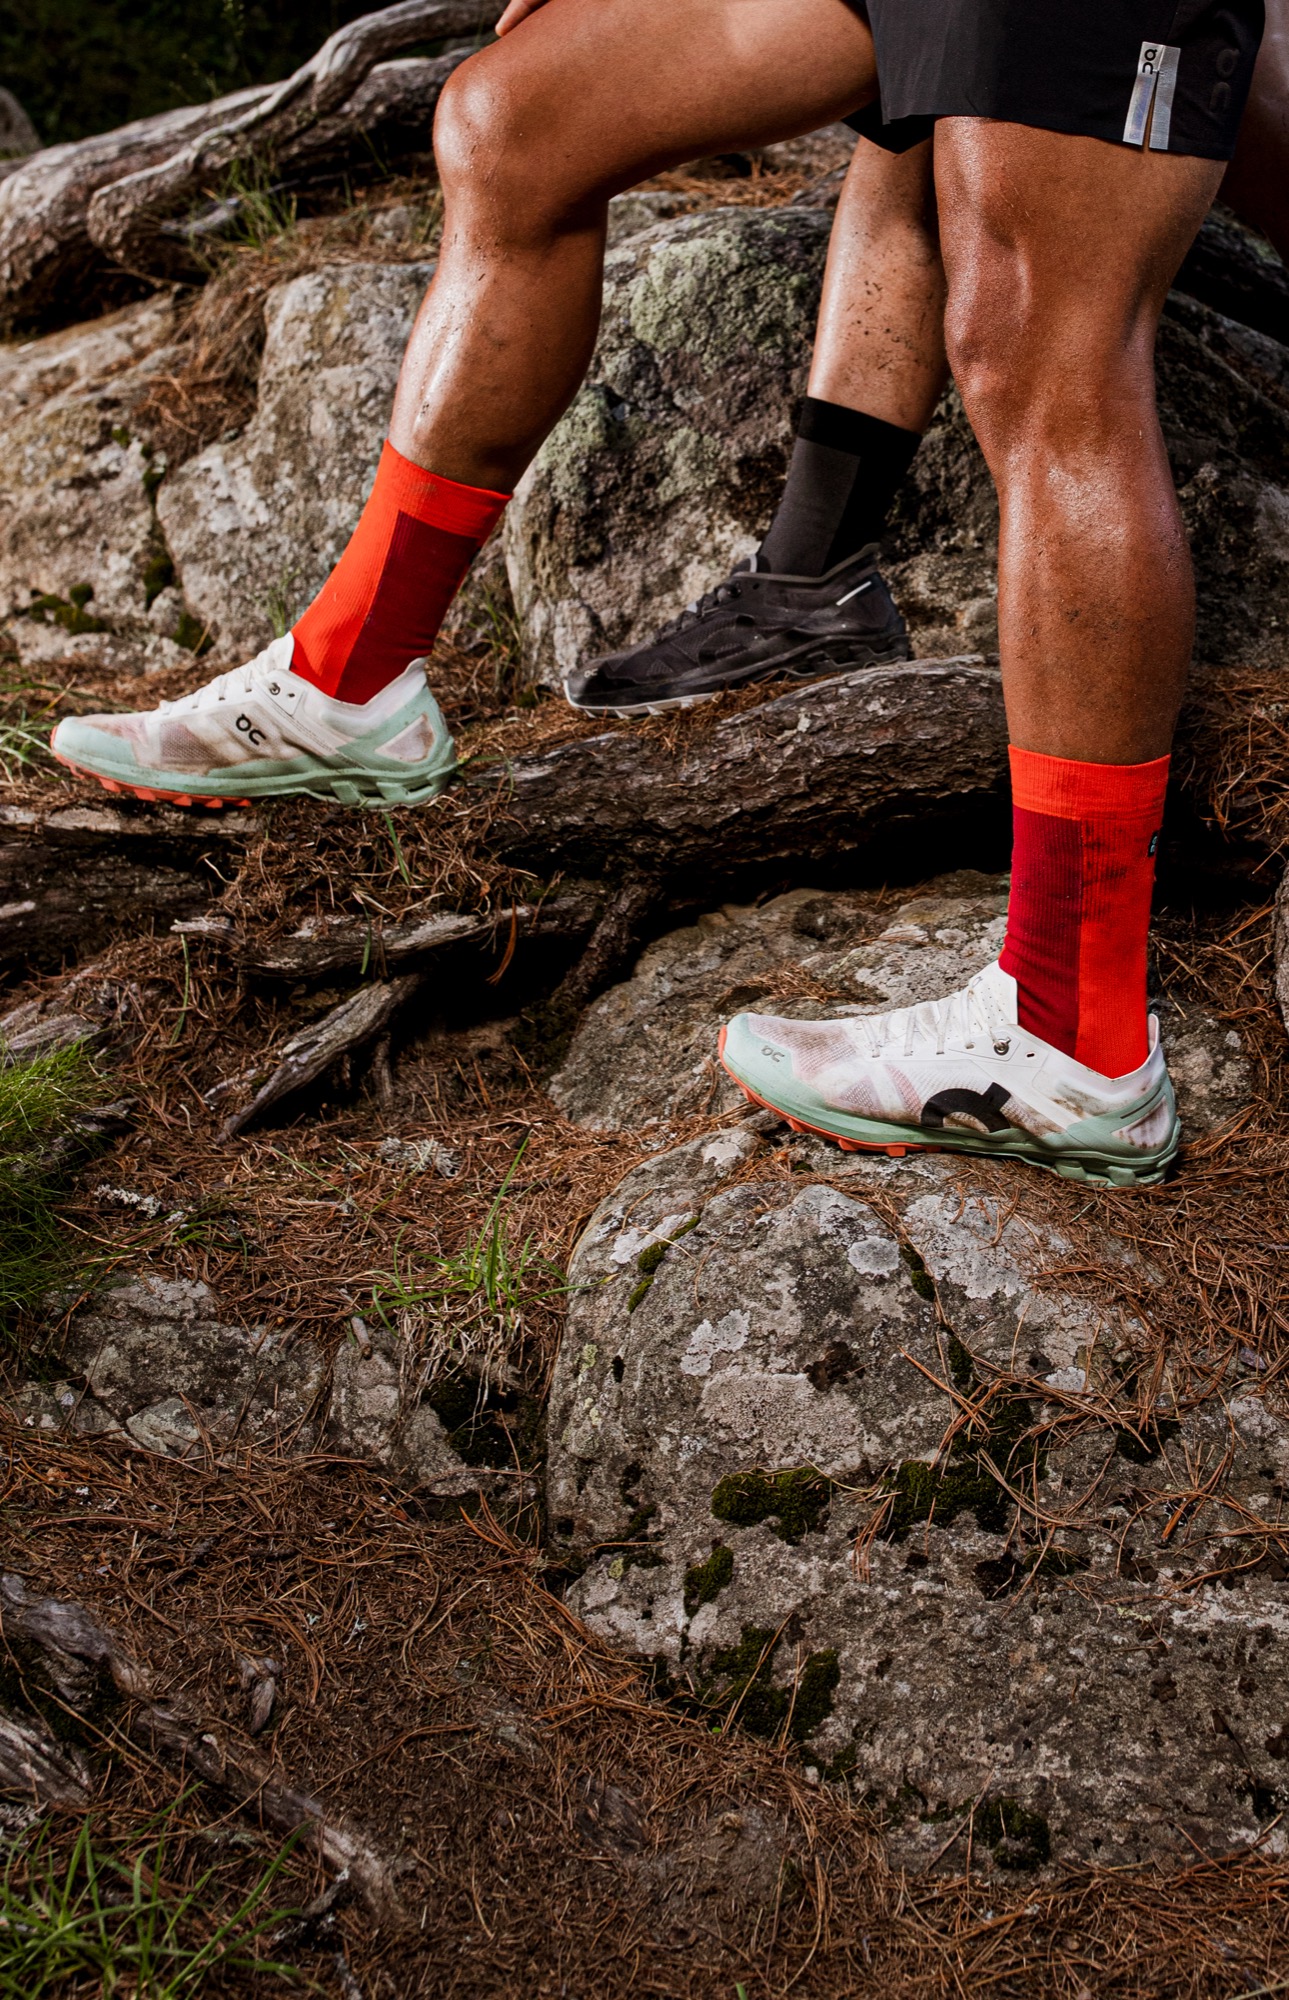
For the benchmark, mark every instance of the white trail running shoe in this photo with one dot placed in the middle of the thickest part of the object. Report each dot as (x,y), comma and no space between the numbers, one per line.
(260,732)
(959,1075)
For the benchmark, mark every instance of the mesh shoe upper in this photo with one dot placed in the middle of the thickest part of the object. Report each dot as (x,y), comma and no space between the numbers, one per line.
(748,627)
(261,713)
(961,1063)
(262,731)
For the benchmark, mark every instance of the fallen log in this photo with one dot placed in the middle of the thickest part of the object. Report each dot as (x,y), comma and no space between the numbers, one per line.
(36,1767)
(384,128)
(326,946)
(76,219)
(340,1033)
(47,256)
(867,764)
(128,217)
(874,776)
(72,874)
(807,781)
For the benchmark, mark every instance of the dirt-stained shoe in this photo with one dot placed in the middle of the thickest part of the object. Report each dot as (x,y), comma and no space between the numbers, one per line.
(260,732)
(959,1075)
(752,627)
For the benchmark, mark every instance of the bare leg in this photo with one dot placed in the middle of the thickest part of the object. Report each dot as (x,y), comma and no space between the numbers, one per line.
(879,346)
(1257,181)
(534,135)
(1060,252)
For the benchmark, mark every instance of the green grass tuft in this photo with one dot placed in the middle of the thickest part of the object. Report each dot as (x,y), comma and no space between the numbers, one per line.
(469,1308)
(37,1102)
(88,1922)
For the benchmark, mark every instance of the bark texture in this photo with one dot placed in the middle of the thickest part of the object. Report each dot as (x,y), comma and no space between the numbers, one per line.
(129,218)
(78,220)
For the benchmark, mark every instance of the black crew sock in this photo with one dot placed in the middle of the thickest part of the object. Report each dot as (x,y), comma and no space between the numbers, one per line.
(844,473)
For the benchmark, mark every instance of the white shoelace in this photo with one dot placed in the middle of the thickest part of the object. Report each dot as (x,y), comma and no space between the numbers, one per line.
(236,681)
(970,1014)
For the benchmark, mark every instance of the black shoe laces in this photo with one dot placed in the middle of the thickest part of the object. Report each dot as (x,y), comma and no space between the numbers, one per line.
(711,600)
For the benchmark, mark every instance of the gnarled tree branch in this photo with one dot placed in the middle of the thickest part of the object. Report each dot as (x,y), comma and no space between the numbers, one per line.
(128,217)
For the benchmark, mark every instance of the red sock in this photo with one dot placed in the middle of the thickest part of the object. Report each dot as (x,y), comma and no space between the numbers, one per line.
(1083,867)
(384,601)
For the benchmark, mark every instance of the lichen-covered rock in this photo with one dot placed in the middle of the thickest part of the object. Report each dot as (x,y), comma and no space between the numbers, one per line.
(644,1054)
(255,522)
(839,1461)
(154,1357)
(80,551)
(152,1360)
(378,1415)
(665,470)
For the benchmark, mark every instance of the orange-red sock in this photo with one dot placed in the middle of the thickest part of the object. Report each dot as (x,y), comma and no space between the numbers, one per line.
(1083,868)
(384,601)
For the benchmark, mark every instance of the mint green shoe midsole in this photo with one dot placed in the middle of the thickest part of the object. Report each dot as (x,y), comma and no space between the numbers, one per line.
(1080,1153)
(306,776)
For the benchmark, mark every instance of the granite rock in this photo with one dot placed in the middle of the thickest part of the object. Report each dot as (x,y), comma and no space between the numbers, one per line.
(255,522)
(666,469)
(152,1360)
(81,554)
(835,1455)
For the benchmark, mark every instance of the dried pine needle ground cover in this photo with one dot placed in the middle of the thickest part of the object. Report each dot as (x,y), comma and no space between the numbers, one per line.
(550,1829)
(560,1832)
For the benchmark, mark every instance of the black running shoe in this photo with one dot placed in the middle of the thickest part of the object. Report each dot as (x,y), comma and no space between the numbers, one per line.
(751,628)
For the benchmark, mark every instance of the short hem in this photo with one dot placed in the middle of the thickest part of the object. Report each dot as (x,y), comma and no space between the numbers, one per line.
(902,134)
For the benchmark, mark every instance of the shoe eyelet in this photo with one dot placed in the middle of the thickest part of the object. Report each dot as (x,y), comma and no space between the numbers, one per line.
(273,688)
(1002,1048)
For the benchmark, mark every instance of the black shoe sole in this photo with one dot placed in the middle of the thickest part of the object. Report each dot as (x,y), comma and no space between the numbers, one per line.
(808,663)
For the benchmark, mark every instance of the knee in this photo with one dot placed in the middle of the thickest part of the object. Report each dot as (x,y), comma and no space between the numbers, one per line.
(1040,364)
(473,124)
(986,334)
(495,145)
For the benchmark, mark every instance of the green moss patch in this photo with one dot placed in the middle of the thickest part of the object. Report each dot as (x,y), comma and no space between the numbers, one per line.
(1014,1836)
(494,1427)
(741,1687)
(706,1580)
(919,1277)
(964,1483)
(794,1503)
(651,1257)
(190,632)
(157,576)
(69,611)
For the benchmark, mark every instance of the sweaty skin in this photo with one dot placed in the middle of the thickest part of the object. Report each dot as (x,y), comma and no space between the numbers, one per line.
(534,135)
(1059,252)
(1095,586)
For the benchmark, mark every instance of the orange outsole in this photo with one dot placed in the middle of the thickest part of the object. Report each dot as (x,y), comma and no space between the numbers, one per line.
(145,792)
(799,1125)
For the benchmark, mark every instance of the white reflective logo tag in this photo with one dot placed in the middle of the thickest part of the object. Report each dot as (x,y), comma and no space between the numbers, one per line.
(1156,83)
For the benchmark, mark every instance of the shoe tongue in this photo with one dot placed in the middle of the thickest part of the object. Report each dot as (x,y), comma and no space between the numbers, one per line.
(1002,990)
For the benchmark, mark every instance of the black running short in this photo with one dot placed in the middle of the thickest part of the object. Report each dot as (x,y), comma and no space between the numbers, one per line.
(1169,74)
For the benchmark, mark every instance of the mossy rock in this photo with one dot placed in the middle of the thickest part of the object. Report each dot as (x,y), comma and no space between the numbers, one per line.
(794,1503)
